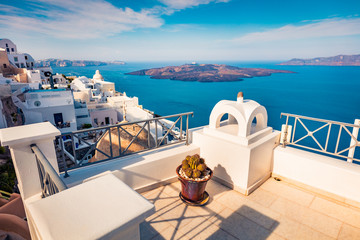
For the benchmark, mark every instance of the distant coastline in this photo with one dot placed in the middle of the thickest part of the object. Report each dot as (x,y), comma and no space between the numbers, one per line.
(340,60)
(53,62)
(206,73)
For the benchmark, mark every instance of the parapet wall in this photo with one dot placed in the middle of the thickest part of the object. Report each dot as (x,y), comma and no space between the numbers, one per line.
(324,173)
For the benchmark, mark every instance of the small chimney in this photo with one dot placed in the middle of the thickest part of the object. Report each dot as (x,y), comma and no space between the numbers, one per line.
(240,97)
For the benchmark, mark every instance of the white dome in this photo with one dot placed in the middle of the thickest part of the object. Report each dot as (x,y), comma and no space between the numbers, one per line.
(98,76)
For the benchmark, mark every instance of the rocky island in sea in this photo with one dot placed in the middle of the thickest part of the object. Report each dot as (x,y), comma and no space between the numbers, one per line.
(206,72)
(340,60)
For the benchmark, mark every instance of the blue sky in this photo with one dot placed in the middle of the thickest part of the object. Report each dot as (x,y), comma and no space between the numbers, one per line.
(189,30)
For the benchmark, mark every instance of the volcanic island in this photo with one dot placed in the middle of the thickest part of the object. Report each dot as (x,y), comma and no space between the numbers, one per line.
(206,73)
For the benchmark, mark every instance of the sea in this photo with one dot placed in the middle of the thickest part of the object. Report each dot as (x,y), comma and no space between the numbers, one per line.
(326,92)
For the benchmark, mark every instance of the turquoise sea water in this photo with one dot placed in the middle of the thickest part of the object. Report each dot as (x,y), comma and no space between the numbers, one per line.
(327,92)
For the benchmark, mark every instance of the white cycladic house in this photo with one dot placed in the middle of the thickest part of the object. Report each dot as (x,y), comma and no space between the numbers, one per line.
(20,60)
(8,45)
(55,106)
(43,70)
(59,79)
(92,90)
(34,78)
(103,116)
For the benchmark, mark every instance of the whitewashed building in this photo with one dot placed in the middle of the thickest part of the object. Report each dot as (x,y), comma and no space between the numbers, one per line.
(55,106)
(82,114)
(20,60)
(92,90)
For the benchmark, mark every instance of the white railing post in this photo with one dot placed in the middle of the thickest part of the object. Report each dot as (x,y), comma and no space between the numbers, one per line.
(355,133)
(19,140)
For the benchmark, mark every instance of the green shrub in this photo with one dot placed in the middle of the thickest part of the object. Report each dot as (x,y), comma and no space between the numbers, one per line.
(7,176)
(86,125)
(2,150)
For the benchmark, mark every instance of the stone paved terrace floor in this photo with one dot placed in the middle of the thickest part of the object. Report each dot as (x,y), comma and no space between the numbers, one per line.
(276,210)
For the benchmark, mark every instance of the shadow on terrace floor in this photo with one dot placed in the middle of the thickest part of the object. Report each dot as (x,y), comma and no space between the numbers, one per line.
(175,220)
(276,210)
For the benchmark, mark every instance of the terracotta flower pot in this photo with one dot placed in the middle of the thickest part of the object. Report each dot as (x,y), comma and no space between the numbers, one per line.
(193,190)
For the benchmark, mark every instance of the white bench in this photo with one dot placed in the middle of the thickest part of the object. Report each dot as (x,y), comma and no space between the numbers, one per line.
(102,208)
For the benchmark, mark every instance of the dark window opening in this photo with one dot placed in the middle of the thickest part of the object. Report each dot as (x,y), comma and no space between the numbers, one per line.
(12,49)
(16,59)
(6,45)
(22,65)
(4,65)
(26,58)
(107,120)
(7,49)
(58,118)
(17,65)
(32,64)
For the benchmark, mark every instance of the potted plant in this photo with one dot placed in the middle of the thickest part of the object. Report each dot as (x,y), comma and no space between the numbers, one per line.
(193,175)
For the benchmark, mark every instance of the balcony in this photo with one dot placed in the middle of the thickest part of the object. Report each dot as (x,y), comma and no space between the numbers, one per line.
(260,189)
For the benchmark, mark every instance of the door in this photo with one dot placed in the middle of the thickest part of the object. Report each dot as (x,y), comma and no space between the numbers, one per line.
(58,118)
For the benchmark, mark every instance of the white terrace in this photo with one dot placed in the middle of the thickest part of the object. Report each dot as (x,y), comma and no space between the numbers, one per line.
(260,189)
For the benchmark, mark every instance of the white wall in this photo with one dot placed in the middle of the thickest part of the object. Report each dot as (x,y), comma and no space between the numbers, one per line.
(80,116)
(242,167)
(21,62)
(139,171)
(51,102)
(33,76)
(47,114)
(59,79)
(2,117)
(100,115)
(9,46)
(49,98)
(136,114)
(83,95)
(120,101)
(328,174)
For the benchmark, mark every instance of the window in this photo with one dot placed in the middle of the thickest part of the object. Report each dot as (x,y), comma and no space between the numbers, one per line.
(12,49)
(83,116)
(6,45)
(26,58)
(37,103)
(58,118)
(107,120)
(7,49)
(27,65)
(96,121)
(17,65)
(16,59)
(32,64)
(4,65)
(22,65)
